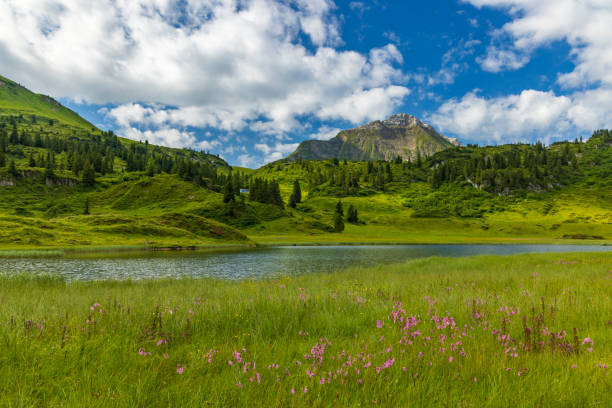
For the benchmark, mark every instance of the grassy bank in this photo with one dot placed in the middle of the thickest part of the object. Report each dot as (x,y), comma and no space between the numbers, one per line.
(527,330)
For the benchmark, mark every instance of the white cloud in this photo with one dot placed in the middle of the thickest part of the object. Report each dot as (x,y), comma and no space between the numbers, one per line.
(164,136)
(497,60)
(246,160)
(225,64)
(583,24)
(325,133)
(277,151)
(364,105)
(520,117)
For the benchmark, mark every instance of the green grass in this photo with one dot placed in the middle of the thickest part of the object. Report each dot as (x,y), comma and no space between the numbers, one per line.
(15,99)
(59,348)
(131,209)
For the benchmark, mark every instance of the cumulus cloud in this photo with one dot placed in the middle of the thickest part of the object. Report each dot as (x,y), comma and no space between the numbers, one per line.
(585,106)
(277,151)
(325,133)
(517,118)
(163,136)
(225,64)
(497,60)
(583,24)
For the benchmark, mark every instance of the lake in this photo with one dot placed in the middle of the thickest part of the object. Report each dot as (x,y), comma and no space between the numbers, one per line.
(257,263)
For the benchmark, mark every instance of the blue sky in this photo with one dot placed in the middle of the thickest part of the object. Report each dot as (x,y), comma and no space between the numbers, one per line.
(250,79)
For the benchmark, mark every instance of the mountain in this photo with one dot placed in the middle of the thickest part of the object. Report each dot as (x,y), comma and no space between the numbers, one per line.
(399,135)
(18,100)
(37,115)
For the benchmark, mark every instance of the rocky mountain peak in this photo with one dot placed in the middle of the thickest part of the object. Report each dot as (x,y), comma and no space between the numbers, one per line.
(402,120)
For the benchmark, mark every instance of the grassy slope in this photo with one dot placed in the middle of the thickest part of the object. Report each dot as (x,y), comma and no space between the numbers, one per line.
(66,350)
(15,99)
(132,209)
(147,212)
(580,208)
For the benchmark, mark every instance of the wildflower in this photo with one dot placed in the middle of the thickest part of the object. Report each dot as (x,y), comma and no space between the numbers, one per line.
(239,384)
(166,356)
(379,324)
(305,390)
(229,362)
(450,359)
(179,369)
(293,391)
(475,379)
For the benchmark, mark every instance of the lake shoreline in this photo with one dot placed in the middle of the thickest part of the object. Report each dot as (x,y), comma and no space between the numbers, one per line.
(67,251)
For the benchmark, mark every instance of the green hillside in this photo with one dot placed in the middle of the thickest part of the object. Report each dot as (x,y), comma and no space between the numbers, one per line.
(17,100)
(64,184)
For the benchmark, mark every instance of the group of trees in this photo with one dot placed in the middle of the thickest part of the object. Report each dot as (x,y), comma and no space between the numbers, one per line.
(265,191)
(338,219)
(81,152)
(509,167)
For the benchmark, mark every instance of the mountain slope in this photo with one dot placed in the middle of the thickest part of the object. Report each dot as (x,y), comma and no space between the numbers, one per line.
(17,100)
(400,135)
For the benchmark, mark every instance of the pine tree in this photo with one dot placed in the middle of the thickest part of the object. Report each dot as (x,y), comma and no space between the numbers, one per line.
(88,177)
(296,195)
(338,218)
(12,169)
(389,173)
(228,191)
(86,208)
(351,215)
(2,159)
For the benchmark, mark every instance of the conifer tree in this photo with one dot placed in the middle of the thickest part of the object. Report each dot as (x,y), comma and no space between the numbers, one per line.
(351,215)
(296,195)
(12,169)
(88,177)
(86,208)
(338,218)
(228,192)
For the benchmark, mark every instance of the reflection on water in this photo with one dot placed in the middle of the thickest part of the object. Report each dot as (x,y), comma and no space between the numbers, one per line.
(256,263)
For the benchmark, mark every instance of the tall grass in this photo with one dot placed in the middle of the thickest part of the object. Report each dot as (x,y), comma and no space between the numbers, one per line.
(527,330)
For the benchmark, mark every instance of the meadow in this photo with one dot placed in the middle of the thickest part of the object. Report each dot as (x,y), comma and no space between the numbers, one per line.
(497,331)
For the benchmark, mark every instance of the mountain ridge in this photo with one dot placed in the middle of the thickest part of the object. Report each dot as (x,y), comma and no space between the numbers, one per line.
(402,135)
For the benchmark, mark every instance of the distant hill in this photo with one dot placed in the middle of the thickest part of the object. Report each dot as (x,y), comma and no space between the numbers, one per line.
(40,115)
(17,100)
(65,183)
(400,135)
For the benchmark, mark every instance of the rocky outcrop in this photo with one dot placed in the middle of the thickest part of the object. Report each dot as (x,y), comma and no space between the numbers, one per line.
(400,135)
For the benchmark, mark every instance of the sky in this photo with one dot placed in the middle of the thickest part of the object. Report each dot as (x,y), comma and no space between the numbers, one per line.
(250,79)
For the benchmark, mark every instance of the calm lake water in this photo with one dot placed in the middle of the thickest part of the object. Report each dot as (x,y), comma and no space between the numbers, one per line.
(255,263)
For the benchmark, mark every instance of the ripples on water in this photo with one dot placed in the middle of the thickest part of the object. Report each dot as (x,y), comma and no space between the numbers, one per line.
(256,263)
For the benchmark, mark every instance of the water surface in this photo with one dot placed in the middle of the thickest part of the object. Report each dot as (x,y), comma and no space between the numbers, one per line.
(261,262)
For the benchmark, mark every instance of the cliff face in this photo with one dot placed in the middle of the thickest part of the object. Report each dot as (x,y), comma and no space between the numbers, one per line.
(399,135)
